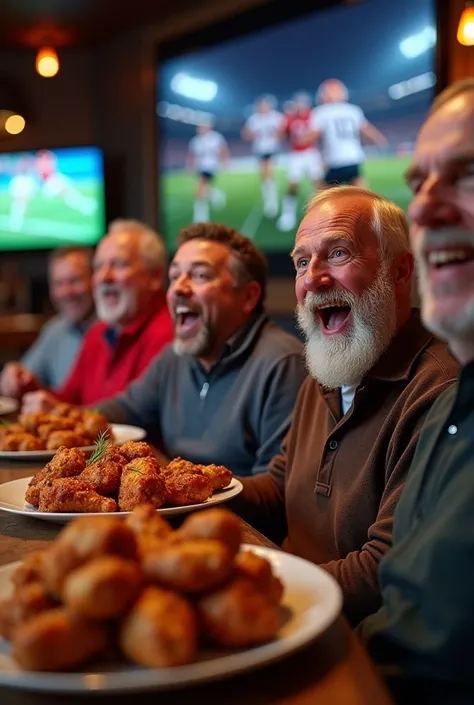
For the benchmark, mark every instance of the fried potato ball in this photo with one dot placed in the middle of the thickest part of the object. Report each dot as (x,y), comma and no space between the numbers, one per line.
(216,524)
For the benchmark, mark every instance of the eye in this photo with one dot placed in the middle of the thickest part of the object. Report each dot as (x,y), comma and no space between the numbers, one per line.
(339,254)
(302,262)
(466,181)
(201,276)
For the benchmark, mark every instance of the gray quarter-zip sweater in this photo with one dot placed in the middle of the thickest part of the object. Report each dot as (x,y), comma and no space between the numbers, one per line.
(237,414)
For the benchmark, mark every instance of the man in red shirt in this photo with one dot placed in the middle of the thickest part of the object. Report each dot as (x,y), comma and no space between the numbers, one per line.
(304,158)
(134,323)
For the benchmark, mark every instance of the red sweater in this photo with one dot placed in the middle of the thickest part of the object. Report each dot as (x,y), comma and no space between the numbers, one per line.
(106,364)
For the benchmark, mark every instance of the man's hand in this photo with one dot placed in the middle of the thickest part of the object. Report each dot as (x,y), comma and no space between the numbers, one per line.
(38,401)
(15,381)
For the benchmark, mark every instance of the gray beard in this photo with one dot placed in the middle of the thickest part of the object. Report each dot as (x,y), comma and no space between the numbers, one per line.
(200,345)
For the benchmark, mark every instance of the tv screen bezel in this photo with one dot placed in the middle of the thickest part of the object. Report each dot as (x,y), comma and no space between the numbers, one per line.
(257,19)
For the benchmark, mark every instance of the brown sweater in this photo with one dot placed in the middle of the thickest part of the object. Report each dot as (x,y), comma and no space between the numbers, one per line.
(338,478)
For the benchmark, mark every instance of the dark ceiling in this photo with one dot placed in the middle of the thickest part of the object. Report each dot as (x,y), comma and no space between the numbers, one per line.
(77,22)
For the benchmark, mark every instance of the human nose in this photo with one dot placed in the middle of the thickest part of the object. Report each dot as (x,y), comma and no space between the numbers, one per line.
(430,207)
(182,284)
(317,276)
(103,273)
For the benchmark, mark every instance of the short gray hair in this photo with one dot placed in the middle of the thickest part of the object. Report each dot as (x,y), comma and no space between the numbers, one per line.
(464,85)
(152,247)
(389,221)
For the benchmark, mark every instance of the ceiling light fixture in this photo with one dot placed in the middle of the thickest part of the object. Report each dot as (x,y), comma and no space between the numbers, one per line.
(465,33)
(47,62)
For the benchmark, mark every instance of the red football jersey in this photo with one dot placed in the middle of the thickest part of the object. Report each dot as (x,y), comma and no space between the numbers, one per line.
(298,129)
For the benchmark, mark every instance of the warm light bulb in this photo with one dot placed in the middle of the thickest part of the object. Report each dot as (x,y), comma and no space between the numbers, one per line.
(14,124)
(465,33)
(47,63)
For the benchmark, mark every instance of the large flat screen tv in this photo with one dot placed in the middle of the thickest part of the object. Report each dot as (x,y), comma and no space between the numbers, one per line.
(220,159)
(51,197)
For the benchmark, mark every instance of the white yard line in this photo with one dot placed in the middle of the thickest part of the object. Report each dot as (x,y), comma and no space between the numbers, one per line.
(252,222)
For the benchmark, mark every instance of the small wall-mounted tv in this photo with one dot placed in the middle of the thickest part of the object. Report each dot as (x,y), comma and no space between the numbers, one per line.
(51,198)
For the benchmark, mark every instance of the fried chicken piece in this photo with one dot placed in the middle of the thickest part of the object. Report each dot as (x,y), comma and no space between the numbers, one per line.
(260,572)
(29,570)
(44,430)
(145,521)
(191,566)
(219,475)
(63,409)
(31,420)
(60,423)
(160,631)
(7,429)
(80,429)
(103,588)
(179,466)
(27,602)
(218,524)
(67,462)
(69,439)
(141,484)
(31,443)
(136,449)
(95,423)
(57,640)
(69,494)
(104,475)
(187,488)
(17,441)
(83,540)
(239,615)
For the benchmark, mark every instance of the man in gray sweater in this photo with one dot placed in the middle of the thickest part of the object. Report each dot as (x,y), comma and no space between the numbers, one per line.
(224,391)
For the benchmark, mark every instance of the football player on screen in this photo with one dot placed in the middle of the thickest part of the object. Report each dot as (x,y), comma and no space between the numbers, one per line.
(263,129)
(304,158)
(57,185)
(22,188)
(207,153)
(339,127)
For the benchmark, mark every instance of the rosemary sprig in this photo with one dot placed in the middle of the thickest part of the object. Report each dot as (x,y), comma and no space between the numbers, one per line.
(102,445)
(137,467)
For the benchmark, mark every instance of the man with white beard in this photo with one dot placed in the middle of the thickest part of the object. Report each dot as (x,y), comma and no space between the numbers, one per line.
(134,323)
(375,372)
(422,635)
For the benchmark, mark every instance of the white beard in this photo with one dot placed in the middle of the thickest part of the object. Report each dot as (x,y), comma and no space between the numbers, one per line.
(460,326)
(344,359)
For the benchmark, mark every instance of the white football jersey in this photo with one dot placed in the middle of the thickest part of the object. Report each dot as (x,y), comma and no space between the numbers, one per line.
(339,125)
(22,186)
(207,149)
(265,128)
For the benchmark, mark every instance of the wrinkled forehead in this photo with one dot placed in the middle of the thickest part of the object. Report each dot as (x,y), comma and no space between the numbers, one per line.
(347,218)
(118,245)
(448,134)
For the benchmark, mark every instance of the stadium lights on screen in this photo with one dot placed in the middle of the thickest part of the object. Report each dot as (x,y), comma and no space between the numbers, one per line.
(268,137)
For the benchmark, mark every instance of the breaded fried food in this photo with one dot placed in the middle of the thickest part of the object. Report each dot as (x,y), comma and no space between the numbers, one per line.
(136,449)
(145,521)
(57,640)
(44,430)
(196,565)
(219,475)
(187,488)
(29,570)
(63,409)
(95,423)
(31,420)
(179,466)
(69,439)
(83,540)
(27,602)
(69,494)
(239,615)
(6,429)
(59,423)
(160,631)
(141,484)
(67,462)
(18,441)
(260,572)
(218,524)
(103,588)
(31,443)
(104,475)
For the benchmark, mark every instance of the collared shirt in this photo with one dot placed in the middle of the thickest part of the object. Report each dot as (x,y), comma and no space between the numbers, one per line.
(53,353)
(108,360)
(236,414)
(426,625)
(347,396)
(339,477)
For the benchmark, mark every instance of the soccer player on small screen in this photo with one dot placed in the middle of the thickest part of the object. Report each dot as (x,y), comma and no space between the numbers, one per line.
(339,127)
(207,153)
(304,159)
(22,189)
(57,185)
(264,129)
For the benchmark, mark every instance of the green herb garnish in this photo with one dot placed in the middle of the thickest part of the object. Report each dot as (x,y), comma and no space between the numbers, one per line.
(102,445)
(137,467)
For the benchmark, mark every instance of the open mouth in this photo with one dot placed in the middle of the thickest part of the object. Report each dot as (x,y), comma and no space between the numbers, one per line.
(439,259)
(111,298)
(334,317)
(186,319)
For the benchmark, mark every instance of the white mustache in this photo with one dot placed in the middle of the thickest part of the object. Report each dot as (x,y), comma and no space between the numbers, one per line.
(335,297)
(108,289)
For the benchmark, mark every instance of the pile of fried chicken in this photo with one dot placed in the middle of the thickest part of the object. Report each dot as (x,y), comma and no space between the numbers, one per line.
(138,585)
(65,426)
(120,478)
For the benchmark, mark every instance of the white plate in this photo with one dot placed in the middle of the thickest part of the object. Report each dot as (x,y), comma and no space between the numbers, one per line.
(8,405)
(122,433)
(12,500)
(312,602)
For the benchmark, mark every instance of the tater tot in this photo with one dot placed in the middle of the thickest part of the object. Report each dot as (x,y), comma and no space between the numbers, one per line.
(57,640)
(160,631)
(216,524)
(259,571)
(27,602)
(189,566)
(239,615)
(29,571)
(103,588)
